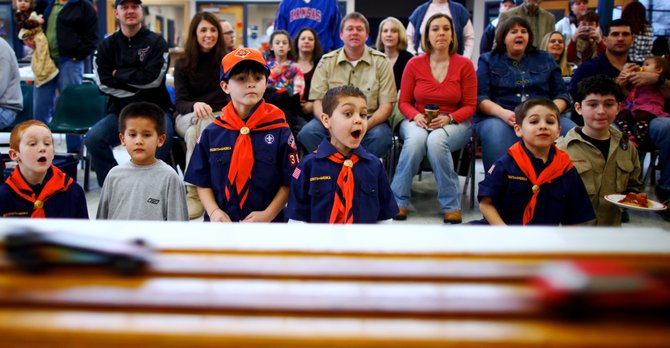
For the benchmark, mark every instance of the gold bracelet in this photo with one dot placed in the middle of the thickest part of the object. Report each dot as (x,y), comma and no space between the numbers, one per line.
(214,211)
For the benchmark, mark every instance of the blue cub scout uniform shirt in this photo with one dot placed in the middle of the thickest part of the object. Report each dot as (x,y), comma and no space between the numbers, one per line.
(69,204)
(314,184)
(275,156)
(562,201)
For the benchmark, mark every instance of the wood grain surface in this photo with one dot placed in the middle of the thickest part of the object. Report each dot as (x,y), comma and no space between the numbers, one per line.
(309,295)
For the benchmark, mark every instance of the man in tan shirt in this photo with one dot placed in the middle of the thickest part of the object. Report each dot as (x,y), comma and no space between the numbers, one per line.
(357,65)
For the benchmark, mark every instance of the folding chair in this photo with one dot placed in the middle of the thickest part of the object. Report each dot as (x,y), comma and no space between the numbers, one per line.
(79,107)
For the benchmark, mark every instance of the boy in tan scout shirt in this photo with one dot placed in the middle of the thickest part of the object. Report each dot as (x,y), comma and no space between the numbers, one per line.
(607,162)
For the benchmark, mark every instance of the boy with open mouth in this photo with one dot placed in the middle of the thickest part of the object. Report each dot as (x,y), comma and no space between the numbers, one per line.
(341,182)
(36,188)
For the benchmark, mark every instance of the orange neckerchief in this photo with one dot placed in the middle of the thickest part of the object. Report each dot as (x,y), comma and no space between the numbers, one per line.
(344,195)
(559,166)
(56,184)
(265,117)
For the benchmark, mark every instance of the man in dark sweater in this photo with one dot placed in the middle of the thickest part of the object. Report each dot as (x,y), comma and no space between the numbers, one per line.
(130,66)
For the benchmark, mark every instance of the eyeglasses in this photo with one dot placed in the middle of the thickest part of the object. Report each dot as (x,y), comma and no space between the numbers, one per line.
(229,33)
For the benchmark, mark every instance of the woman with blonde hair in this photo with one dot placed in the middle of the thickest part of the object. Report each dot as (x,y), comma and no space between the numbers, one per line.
(392,41)
(554,43)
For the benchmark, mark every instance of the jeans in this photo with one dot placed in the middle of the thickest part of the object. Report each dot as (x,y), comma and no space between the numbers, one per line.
(44,97)
(104,136)
(659,133)
(7,116)
(377,140)
(497,136)
(438,144)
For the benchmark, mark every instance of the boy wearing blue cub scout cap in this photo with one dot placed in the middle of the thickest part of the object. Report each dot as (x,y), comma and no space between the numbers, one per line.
(243,161)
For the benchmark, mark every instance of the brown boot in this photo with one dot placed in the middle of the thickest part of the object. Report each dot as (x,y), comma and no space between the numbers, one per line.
(453,217)
(195,208)
(402,215)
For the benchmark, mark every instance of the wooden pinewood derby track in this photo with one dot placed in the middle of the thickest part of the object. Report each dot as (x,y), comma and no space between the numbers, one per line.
(324,286)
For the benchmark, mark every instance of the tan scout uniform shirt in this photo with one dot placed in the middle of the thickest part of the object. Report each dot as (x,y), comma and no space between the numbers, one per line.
(619,173)
(372,75)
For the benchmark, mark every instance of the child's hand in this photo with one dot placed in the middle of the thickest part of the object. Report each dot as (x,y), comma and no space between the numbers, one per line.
(642,78)
(219,215)
(30,42)
(258,216)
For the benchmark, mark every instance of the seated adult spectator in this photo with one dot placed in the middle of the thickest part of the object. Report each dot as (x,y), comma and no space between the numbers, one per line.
(323,16)
(554,43)
(489,35)
(129,66)
(228,35)
(611,63)
(445,81)
(568,25)
(360,66)
(465,32)
(392,41)
(643,35)
(587,42)
(11,99)
(198,96)
(512,73)
(541,21)
(309,49)
(71,27)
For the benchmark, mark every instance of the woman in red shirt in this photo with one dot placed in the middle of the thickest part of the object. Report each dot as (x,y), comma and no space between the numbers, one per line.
(444,79)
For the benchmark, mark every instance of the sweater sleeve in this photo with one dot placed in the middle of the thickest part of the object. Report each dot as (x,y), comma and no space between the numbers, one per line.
(103,204)
(572,51)
(176,199)
(406,103)
(468,103)
(483,75)
(89,31)
(183,102)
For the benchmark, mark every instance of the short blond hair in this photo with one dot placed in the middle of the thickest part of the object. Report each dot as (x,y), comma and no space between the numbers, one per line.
(402,33)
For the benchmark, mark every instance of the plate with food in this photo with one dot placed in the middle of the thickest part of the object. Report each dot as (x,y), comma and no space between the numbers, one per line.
(635,201)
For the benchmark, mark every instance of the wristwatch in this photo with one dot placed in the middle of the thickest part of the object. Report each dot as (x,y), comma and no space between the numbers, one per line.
(661,81)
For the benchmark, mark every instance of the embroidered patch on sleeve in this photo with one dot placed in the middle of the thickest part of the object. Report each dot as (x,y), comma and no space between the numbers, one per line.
(293,159)
(296,173)
(291,142)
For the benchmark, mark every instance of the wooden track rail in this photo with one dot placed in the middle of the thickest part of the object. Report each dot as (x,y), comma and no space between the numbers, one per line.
(219,293)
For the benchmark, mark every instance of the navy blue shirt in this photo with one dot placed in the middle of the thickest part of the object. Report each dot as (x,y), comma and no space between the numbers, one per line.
(275,156)
(314,184)
(69,204)
(592,67)
(563,201)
